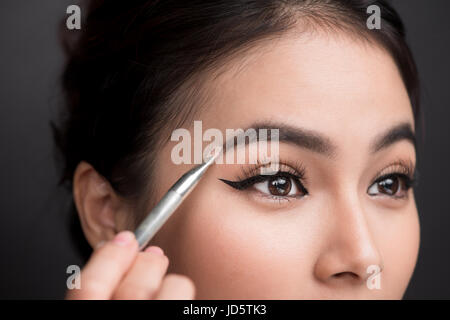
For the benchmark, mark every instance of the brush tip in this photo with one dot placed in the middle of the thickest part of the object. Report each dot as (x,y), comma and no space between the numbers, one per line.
(217,151)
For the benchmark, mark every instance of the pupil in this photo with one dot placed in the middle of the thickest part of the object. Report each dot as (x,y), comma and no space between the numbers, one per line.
(389,186)
(279,186)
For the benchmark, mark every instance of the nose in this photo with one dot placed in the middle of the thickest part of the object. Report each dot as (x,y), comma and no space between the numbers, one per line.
(349,255)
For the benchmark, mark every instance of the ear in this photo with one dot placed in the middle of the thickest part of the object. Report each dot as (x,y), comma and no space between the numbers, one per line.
(99,208)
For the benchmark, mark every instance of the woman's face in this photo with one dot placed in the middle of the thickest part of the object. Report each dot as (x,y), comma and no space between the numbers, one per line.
(317,240)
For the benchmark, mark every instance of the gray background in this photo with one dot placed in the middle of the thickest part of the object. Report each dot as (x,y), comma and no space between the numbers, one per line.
(35,245)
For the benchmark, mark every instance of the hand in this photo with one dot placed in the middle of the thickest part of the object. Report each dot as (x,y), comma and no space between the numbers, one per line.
(117,270)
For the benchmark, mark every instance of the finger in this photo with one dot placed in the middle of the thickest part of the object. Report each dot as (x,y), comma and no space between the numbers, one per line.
(106,267)
(176,287)
(144,278)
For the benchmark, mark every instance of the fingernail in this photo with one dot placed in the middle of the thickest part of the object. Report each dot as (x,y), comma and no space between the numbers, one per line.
(155,249)
(123,238)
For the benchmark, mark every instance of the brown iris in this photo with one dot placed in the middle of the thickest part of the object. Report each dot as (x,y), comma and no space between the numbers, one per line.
(389,186)
(280,186)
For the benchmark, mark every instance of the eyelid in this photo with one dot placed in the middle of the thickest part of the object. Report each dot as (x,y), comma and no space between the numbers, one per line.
(295,169)
(398,167)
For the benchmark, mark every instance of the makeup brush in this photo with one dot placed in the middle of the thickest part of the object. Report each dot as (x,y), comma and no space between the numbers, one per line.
(170,202)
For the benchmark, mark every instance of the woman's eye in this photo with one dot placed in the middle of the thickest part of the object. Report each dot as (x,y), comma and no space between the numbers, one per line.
(280,186)
(392,185)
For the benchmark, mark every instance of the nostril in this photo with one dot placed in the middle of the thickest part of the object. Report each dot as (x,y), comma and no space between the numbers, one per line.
(346,274)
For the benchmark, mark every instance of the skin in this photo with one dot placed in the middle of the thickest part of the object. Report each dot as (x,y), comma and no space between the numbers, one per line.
(223,243)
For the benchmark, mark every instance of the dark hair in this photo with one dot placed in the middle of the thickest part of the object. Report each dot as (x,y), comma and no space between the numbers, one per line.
(133,71)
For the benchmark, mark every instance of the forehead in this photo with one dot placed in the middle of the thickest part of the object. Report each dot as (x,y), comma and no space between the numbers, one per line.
(333,84)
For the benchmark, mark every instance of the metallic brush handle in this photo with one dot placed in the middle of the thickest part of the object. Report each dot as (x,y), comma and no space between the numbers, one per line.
(170,202)
(157,217)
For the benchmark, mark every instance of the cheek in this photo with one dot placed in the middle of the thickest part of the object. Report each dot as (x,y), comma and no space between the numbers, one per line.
(399,259)
(232,252)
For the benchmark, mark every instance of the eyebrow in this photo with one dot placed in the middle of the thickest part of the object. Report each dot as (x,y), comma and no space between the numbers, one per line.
(400,132)
(318,143)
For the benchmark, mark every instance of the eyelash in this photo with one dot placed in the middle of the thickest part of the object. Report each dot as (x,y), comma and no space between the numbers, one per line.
(399,169)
